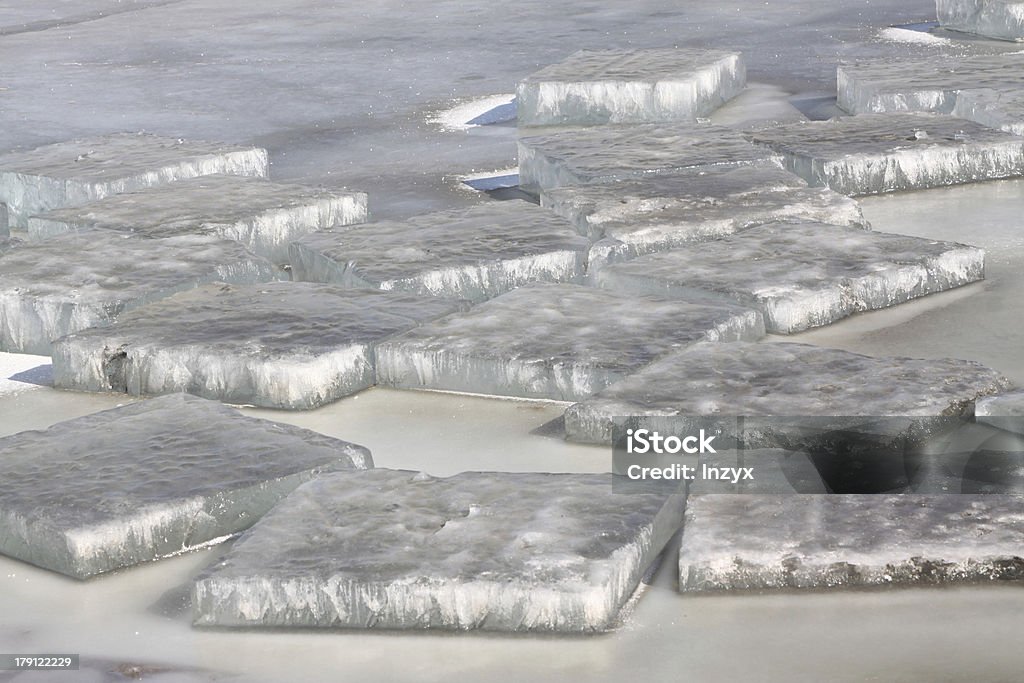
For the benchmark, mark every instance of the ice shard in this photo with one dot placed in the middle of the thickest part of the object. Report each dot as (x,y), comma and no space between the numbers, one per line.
(1005,411)
(472,254)
(630,86)
(992,108)
(1001,19)
(577,340)
(149,480)
(292,345)
(388,549)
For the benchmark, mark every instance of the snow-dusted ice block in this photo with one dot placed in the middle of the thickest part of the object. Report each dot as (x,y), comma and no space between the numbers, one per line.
(782,379)
(66,284)
(262,215)
(758,542)
(75,172)
(560,342)
(870,154)
(293,345)
(577,156)
(149,480)
(472,254)
(802,275)
(388,549)
(1005,411)
(630,86)
(992,108)
(1002,19)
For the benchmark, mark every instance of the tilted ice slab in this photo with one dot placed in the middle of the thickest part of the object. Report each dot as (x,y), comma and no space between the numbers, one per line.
(802,275)
(76,172)
(262,215)
(560,342)
(757,542)
(390,549)
(784,379)
(149,480)
(577,156)
(66,284)
(293,345)
(1002,19)
(472,254)
(992,108)
(630,86)
(1005,411)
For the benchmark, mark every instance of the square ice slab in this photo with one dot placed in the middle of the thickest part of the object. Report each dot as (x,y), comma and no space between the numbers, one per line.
(262,215)
(577,156)
(630,86)
(149,480)
(992,108)
(560,342)
(755,542)
(66,284)
(293,345)
(472,254)
(389,549)
(1002,19)
(70,173)
(802,275)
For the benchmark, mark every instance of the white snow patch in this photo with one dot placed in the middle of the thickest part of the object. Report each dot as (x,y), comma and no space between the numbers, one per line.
(30,370)
(907,36)
(480,111)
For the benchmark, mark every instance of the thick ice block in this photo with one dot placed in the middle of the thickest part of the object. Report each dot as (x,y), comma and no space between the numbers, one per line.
(66,284)
(148,480)
(388,549)
(782,379)
(560,342)
(759,542)
(630,86)
(992,108)
(802,275)
(1002,19)
(472,254)
(293,345)
(71,173)
(262,215)
(1005,411)
(577,156)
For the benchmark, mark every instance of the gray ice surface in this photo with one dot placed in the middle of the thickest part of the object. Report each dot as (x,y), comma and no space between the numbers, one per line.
(72,282)
(1002,19)
(5,228)
(391,549)
(474,254)
(79,171)
(263,215)
(759,542)
(1005,411)
(630,86)
(292,345)
(802,275)
(993,108)
(148,480)
(561,342)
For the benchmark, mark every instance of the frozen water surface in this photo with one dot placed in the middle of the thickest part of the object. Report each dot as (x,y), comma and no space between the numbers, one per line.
(1003,19)
(148,480)
(992,108)
(630,86)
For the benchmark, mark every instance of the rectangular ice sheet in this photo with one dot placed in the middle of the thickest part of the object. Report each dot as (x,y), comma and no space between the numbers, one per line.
(293,345)
(75,172)
(560,342)
(630,86)
(1002,19)
(472,254)
(389,549)
(992,108)
(759,542)
(148,480)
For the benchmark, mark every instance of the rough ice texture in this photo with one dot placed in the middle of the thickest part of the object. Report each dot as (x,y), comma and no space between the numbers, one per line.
(775,470)
(262,215)
(802,275)
(390,549)
(630,86)
(1005,411)
(293,345)
(871,154)
(577,156)
(758,542)
(782,379)
(5,228)
(72,282)
(560,342)
(1002,19)
(992,108)
(472,254)
(149,480)
(76,172)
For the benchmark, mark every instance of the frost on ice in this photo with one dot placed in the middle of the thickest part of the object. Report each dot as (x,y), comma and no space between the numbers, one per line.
(1002,19)
(1002,110)
(579,340)
(472,254)
(389,549)
(148,480)
(293,345)
(630,86)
